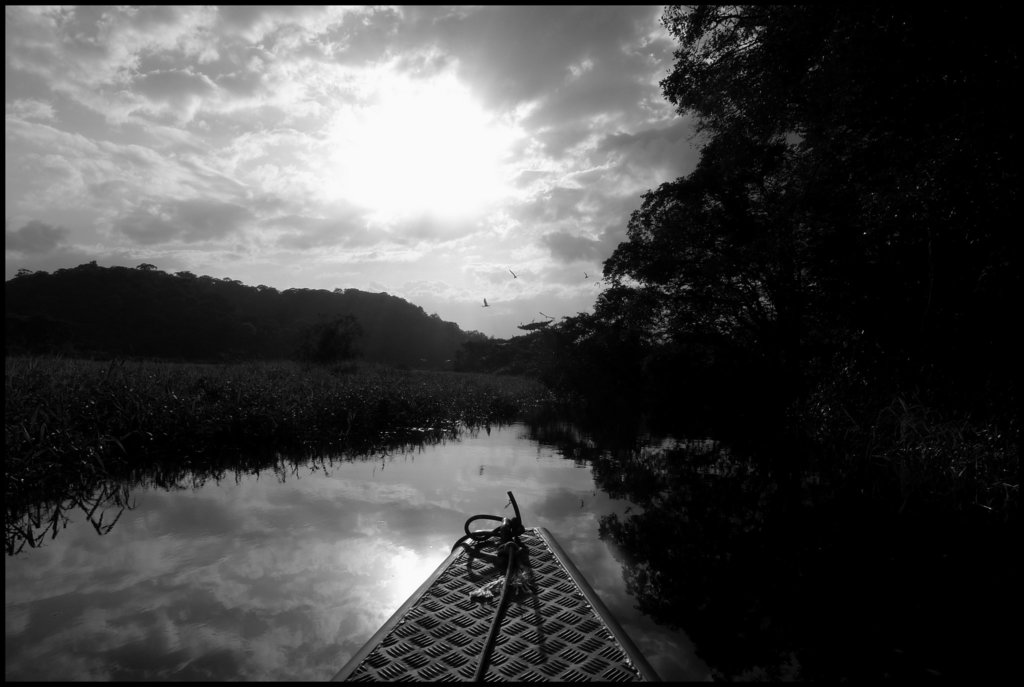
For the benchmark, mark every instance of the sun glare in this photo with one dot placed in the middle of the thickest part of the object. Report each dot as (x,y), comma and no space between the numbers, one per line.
(421,148)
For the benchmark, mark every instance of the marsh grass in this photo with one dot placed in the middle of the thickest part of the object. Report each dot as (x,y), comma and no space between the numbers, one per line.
(930,457)
(917,458)
(81,420)
(32,524)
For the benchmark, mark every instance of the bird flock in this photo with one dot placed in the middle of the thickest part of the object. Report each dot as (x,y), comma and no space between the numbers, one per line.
(516,276)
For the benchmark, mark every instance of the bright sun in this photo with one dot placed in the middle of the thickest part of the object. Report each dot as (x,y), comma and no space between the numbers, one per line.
(422,148)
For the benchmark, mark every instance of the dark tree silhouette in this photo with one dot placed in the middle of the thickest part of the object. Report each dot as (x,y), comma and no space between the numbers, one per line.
(92,310)
(849,219)
(328,342)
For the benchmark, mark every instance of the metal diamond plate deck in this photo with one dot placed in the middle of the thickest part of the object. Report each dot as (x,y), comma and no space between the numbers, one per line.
(555,629)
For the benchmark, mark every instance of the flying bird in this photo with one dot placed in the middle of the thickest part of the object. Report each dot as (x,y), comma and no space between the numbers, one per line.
(547,316)
(486,304)
(586,276)
(514,275)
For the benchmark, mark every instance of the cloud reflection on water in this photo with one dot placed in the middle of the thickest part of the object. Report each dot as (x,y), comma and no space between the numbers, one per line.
(259,579)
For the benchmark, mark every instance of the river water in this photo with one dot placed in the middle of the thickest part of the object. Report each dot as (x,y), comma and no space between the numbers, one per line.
(284,575)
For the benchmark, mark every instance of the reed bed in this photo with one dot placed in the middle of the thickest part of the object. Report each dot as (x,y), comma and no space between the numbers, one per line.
(76,419)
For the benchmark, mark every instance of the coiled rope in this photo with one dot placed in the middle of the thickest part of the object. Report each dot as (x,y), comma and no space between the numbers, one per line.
(506,540)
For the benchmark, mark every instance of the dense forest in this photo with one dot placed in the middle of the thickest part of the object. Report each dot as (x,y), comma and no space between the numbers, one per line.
(145,312)
(846,247)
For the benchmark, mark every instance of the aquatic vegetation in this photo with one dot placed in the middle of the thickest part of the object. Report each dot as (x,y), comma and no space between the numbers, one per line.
(32,524)
(80,419)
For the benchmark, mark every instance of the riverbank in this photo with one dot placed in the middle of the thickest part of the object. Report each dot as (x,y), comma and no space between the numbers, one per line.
(66,419)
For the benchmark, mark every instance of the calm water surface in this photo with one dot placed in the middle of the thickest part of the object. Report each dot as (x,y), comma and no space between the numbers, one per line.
(285,576)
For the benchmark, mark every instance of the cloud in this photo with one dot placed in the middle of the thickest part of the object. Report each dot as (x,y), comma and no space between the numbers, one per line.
(528,177)
(193,220)
(553,205)
(433,291)
(145,195)
(517,54)
(668,149)
(269,23)
(133,64)
(35,237)
(437,230)
(90,47)
(176,92)
(568,248)
(303,233)
(28,108)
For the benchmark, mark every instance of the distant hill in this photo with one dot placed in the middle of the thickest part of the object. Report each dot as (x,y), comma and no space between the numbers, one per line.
(145,312)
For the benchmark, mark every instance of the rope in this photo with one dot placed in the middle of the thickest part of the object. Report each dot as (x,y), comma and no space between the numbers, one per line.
(507,542)
(492,636)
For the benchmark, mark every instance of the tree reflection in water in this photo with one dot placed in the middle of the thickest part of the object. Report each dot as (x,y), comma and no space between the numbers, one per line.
(792,576)
(772,575)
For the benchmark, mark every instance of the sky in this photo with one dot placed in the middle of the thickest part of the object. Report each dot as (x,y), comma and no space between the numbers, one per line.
(443,155)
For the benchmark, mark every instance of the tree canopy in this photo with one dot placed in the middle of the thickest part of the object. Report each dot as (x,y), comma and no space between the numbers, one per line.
(853,204)
(92,310)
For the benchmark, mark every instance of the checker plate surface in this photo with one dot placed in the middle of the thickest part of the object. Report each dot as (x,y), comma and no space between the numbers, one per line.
(552,630)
